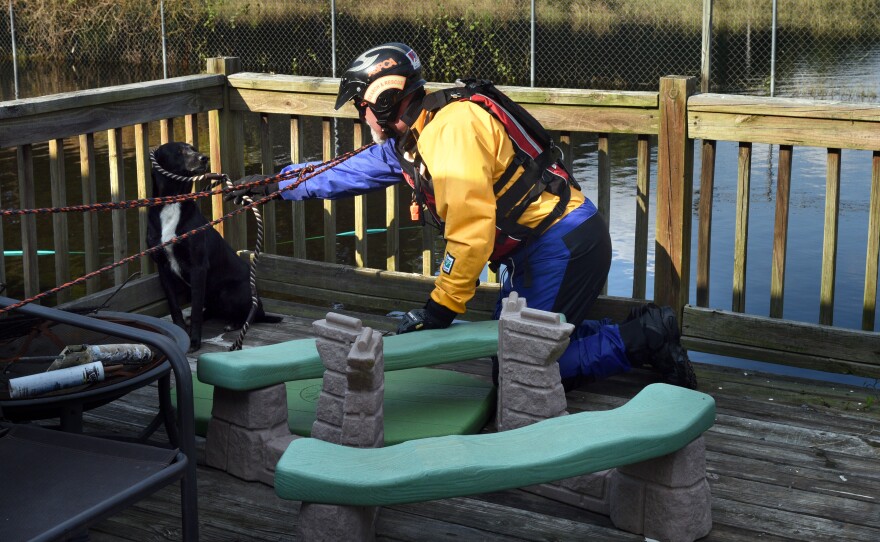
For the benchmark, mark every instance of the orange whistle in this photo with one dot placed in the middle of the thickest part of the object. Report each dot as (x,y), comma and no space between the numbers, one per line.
(415,212)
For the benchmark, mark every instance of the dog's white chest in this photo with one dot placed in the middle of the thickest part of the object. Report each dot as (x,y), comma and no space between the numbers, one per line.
(169,218)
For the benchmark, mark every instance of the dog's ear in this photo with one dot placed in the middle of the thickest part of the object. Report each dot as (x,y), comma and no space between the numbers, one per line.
(161,153)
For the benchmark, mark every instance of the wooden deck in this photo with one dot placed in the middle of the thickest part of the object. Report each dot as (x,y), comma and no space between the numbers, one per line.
(788,459)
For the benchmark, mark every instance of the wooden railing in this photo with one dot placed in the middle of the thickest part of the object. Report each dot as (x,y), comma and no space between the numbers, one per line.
(293,98)
(789,123)
(79,116)
(234,102)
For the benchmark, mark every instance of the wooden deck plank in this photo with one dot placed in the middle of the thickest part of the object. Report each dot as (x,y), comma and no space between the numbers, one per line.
(514,523)
(820,480)
(794,526)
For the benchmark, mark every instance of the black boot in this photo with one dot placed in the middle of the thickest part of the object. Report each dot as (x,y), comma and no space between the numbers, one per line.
(651,337)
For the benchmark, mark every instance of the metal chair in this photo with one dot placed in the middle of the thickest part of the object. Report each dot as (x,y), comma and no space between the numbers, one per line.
(56,484)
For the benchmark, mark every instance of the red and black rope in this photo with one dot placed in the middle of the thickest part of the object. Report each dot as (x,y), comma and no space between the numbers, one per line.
(300,175)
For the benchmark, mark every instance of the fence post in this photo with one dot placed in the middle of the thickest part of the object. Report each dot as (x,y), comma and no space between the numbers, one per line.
(14,48)
(675,164)
(225,130)
(532,44)
(706,49)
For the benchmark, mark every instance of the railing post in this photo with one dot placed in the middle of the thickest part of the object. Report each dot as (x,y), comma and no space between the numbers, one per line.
(61,245)
(675,164)
(144,171)
(226,131)
(27,200)
(90,221)
(116,156)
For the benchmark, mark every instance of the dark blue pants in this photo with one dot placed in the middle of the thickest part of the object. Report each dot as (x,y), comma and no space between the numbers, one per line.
(563,271)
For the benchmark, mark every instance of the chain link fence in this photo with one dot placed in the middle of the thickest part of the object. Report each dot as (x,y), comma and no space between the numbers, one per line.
(823,49)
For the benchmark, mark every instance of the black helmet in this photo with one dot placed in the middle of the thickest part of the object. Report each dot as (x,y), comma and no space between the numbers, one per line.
(382,77)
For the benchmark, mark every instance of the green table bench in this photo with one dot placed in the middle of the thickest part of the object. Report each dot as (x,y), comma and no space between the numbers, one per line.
(666,500)
(263,366)
(657,434)
(248,402)
(659,420)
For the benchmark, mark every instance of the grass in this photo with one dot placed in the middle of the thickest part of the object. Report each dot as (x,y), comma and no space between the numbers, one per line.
(821,17)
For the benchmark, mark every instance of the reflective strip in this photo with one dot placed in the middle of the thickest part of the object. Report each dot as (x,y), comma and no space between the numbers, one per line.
(517,133)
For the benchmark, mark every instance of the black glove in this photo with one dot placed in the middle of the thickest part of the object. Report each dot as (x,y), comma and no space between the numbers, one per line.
(433,316)
(255,192)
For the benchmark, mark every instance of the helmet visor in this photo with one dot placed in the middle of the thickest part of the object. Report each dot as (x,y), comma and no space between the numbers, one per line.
(349,90)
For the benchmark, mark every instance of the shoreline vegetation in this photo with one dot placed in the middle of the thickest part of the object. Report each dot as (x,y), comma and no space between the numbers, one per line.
(852,18)
(455,36)
(63,24)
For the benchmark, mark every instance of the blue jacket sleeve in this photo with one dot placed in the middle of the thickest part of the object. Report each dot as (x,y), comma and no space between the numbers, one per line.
(372,169)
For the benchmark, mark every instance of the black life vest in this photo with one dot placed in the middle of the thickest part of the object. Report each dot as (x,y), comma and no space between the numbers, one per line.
(534,151)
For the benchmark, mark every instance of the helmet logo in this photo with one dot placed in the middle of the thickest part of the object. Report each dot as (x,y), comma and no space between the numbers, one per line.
(386,64)
(414,58)
(363,61)
(380,85)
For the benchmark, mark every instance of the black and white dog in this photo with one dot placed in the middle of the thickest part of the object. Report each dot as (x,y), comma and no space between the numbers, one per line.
(204,264)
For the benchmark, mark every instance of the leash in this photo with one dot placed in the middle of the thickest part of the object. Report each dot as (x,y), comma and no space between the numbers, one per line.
(252,275)
(299,176)
(184,178)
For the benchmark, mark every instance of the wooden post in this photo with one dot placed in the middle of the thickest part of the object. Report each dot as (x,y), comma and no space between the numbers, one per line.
(780,232)
(166,130)
(392,224)
(604,186)
(704,236)
(873,254)
(144,187)
(741,232)
(2,249)
(329,205)
(604,181)
(360,206)
(117,194)
(27,200)
(829,245)
(268,168)
(298,208)
(643,198)
(234,168)
(221,132)
(191,129)
(59,220)
(707,175)
(675,163)
(428,234)
(90,220)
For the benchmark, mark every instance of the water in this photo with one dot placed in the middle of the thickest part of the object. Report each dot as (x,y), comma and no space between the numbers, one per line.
(805,223)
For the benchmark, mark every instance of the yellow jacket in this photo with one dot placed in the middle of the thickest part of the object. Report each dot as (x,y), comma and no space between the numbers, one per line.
(465,151)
